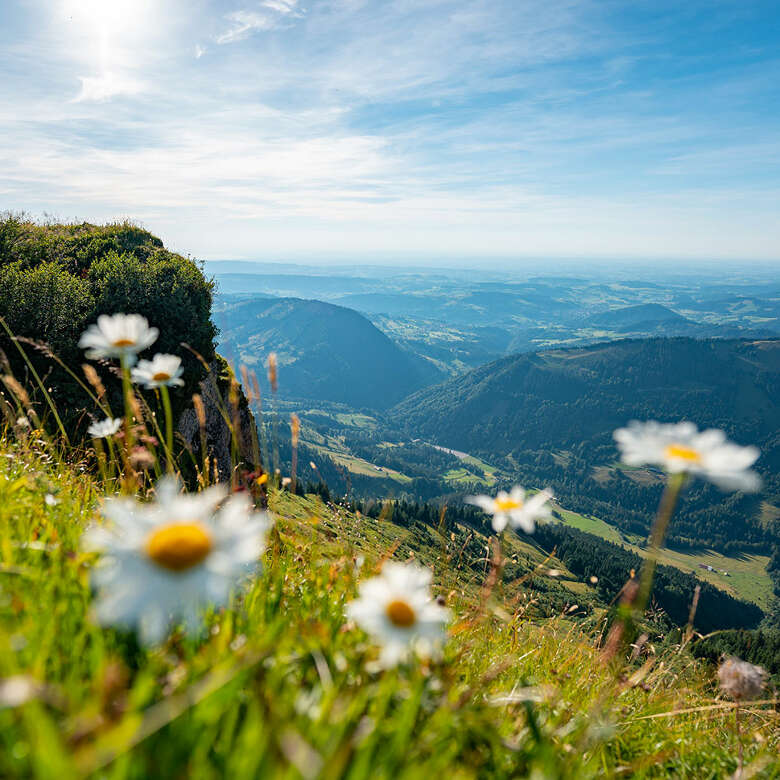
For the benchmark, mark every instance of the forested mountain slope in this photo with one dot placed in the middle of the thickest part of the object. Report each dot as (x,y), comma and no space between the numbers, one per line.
(551,415)
(325,352)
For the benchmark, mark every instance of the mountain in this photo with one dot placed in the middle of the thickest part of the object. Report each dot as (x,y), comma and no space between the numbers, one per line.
(646,316)
(550,415)
(325,352)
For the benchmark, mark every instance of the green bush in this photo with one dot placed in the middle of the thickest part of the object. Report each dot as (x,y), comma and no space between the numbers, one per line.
(55,279)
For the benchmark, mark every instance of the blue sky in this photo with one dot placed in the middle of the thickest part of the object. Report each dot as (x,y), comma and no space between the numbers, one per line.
(276,129)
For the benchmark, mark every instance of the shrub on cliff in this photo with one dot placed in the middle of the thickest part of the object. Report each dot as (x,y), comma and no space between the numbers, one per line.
(55,279)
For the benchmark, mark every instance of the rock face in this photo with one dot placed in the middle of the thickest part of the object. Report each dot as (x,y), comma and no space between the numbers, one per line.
(215,393)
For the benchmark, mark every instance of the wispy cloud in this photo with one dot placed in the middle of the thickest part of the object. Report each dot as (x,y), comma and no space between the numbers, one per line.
(106,86)
(518,126)
(268,15)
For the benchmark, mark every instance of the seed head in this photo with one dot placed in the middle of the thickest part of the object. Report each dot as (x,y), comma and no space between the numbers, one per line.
(741,680)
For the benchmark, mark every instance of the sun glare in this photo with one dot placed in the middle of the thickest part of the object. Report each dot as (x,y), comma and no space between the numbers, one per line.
(107,24)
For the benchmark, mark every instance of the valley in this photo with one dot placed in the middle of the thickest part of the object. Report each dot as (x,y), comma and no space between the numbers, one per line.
(429,387)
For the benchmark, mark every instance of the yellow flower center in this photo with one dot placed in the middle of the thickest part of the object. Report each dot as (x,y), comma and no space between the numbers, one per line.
(401,614)
(124,343)
(179,546)
(508,504)
(161,376)
(683,453)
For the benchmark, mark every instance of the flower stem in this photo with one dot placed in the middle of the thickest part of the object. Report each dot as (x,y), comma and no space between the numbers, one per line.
(100,454)
(657,535)
(741,748)
(166,399)
(127,390)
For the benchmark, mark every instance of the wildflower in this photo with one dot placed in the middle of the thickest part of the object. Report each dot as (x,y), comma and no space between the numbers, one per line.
(396,609)
(513,508)
(141,458)
(104,428)
(681,448)
(272,371)
(170,558)
(740,679)
(18,690)
(161,370)
(22,422)
(118,335)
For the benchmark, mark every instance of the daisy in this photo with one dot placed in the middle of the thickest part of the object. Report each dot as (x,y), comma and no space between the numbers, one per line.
(514,508)
(170,558)
(397,610)
(118,336)
(681,448)
(161,370)
(104,428)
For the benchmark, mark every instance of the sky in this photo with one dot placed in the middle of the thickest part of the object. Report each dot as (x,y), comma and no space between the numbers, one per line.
(332,129)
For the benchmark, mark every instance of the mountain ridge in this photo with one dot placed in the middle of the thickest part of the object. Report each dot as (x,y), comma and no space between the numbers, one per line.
(548,417)
(325,351)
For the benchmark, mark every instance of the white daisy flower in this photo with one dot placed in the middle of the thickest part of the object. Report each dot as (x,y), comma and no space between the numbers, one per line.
(514,508)
(397,610)
(160,370)
(681,448)
(104,428)
(168,559)
(118,336)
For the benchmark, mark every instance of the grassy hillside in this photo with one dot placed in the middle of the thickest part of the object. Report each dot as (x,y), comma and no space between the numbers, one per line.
(325,352)
(742,575)
(282,685)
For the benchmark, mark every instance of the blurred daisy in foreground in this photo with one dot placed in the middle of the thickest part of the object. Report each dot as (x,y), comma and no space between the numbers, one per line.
(681,448)
(397,610)
(168,559)
(118,336)
(104,428)
(514,508)
(161,370)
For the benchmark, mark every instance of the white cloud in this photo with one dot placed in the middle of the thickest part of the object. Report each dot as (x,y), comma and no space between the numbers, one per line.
(106,86)
(447,126)
(243,24)
(247,22)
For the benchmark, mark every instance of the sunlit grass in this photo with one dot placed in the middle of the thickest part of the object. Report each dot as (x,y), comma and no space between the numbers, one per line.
(747,579)
(279,684)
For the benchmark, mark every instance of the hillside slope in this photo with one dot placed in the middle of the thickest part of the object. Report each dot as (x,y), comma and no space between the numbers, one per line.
(551,415)
(645,316)
(281,684)
(325,352)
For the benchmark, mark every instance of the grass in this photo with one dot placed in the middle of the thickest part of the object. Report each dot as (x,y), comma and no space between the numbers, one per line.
(357,421)
(280,685)
(334,448)
(748,578)
(477,465)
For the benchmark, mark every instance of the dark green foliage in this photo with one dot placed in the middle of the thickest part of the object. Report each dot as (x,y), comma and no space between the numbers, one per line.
(757,647)
(586,555)
(45,302)
(548,418)
(56,279)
